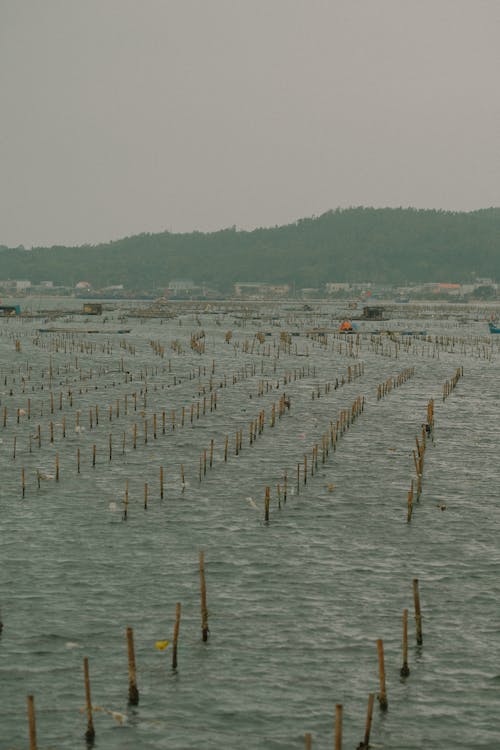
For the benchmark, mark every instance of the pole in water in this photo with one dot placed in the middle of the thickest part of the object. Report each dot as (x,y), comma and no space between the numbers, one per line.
(133,693)
(418,614)
(382,697)
(31,721)
(266,504)
(90,733)
(176,634)
(368,726)
(338,727)
(308,740)
(405,670)
(203,598)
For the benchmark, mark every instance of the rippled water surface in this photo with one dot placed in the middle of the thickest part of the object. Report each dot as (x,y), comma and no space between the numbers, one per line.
(296,605)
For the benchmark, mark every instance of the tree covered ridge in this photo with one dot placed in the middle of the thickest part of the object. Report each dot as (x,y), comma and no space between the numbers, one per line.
(388,246)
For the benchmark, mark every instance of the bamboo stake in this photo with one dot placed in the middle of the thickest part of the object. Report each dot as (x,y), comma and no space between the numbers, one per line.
(32,721)
(368,725)
(266,505)
(125,502)
(418,614)
(90,733)
(203,596)
(382,698)
(133,693)
(338,727)
(176,634)
(405,670)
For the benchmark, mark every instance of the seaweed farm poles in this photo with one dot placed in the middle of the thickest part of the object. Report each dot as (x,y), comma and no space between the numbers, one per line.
(382,697)
(405,670)
(176,634)
(203,599)
(31,721)
(338,727)
(418,614)
(133,692)
(90,733)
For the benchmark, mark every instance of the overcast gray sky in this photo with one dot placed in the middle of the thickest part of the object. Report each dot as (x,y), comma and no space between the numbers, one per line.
(127,116)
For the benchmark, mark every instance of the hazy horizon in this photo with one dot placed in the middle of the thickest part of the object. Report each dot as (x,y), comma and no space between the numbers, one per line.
(123,118)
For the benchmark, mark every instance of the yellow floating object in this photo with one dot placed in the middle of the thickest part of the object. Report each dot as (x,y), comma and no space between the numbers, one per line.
(161,645)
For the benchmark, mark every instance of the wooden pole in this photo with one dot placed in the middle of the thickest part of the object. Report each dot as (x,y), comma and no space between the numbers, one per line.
(266,505)
(203,598)
(308,740)
(90,733)
(32,721)
(418,614)
(176,634)
(133,693)
(405,670)
(368,726)
(338,727)
(382,698)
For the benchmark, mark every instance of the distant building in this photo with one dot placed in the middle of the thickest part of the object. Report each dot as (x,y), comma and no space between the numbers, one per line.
(83,285)
(22,285)
(453,289)
(181,285)
(332,287)
(260,290)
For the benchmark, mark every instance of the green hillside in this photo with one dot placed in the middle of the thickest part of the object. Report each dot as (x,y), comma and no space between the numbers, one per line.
(358,244)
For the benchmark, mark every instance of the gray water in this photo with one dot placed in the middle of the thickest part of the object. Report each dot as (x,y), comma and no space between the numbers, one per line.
(296,605)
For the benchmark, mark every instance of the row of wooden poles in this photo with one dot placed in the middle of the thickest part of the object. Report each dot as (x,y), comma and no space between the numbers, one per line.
(329,440)
(384,388)
(449,385)
(418,457)
(133,690)
(382,695)
(256,428)
(427,431)
(353,372)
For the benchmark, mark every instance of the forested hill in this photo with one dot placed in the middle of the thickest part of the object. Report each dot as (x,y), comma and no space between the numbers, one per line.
(359,244)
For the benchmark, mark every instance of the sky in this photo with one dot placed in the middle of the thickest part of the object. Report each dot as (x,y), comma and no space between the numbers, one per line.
(125,116)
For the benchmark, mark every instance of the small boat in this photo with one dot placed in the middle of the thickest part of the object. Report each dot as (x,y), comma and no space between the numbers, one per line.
(493,328)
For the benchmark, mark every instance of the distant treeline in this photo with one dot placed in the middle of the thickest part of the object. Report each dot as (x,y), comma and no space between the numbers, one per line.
(388,246)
